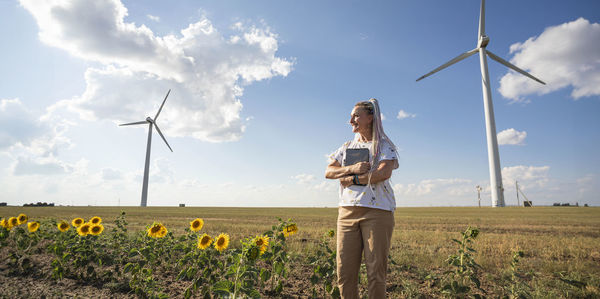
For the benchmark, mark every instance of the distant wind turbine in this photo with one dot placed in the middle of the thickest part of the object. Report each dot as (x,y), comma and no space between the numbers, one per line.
(490,124)
(150,123)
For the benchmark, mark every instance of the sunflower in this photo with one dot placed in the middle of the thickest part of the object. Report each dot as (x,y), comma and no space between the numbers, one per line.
(157,230)
(96,229)
(22,218)
(63,226)
(4,223)
(12,222)
(290,229)
(222,242)
(196,225)
(331,233)
(96,220)
(262,242)
(204,241)
(83,229)
(77,222)
(33,226)
(163,232)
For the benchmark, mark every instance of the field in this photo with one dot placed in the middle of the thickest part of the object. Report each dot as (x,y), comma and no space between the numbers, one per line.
(560,245)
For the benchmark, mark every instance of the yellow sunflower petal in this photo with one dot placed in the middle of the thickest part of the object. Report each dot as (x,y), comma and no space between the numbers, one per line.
(63,226)
(222,242)
(84,229)
(77,222)
(33,226)
(96,229)
(196,224)
(22,218)
(204,241)
(12,222)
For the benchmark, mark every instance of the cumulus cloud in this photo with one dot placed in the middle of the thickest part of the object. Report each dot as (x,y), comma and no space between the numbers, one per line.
(563,55)
(17,124)
(403,114)
(511,137)
(31,142)
(206,70)
(40,166)
(588,187)
(304,178)
(527,176)
(153,18)
(110,174)
(455,186)
(328,186)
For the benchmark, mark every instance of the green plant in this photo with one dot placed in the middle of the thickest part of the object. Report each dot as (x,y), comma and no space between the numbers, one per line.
(517,287)
(324,274)
(463,275)
(278,257)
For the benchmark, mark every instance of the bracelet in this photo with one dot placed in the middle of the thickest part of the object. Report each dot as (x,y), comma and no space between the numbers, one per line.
(355,179)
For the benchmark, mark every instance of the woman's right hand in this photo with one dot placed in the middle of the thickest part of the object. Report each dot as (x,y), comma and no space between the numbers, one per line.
(360,167)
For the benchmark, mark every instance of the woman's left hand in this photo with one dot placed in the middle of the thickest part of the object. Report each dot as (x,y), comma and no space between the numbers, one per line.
(346,181)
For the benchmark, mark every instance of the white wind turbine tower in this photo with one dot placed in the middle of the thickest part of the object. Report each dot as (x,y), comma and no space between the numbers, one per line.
(490,123)
(151,122)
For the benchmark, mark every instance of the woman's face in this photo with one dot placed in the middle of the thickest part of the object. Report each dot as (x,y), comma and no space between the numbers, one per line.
(361,120)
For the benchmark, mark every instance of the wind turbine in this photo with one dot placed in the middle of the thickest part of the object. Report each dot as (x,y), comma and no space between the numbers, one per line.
(151,122)
(490,123)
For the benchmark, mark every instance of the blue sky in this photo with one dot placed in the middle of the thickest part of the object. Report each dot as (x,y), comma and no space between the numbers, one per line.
(262,92)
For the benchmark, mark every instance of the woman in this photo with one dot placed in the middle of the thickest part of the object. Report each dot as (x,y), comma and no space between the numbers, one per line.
(365,216)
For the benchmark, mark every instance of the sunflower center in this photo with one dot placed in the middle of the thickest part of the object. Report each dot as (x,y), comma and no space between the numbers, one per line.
(221,242)
(155,229)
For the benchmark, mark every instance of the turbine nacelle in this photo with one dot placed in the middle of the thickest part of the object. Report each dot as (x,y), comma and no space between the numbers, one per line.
(148,119)
(484,40)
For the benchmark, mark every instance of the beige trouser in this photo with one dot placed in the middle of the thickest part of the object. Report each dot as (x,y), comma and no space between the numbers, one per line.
(369,230)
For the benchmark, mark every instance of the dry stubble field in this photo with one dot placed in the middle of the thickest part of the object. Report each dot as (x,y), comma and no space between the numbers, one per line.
(561,247)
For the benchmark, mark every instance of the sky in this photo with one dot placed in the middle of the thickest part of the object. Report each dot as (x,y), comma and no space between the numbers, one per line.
(261,94)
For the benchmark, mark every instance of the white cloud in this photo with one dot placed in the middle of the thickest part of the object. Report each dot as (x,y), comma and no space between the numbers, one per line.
(303,178)
(456,186)
(403,114)
(511,137)
(31,142)
(328,186)
(41,166)
(563,55)
(153,18)
(588,187)
(528,176)
(206,71)
(110,174)
(17,124)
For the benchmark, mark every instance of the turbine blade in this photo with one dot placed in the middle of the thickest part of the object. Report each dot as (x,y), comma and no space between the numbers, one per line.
(135,123)
(510,65)
(482,19)
(162,136)
(451,62)
(163,103)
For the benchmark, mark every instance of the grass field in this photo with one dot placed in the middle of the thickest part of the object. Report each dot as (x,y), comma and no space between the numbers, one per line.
(561,245)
